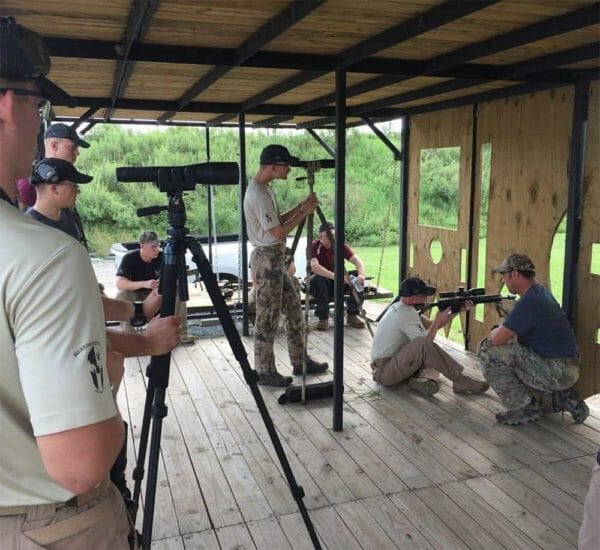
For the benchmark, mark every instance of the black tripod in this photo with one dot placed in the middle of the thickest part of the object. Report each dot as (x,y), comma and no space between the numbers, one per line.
(174,276)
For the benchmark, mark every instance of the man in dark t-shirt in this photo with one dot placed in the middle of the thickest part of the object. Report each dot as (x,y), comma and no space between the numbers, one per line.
(138,275)
(322,281)
(531,360)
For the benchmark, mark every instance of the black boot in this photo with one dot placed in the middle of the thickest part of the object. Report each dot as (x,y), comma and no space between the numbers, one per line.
(312,367)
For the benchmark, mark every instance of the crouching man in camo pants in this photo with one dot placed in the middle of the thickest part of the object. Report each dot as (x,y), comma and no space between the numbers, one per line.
(535,373)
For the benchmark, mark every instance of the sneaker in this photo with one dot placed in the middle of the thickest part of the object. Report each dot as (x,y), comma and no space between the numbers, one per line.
(187,338)
(426,386)
(323,324)
(466,384)
(355,321)
(568,400)
(517,417)
(312,367)
(274,379)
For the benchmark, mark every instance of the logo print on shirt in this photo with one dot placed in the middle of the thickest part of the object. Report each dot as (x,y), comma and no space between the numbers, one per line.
(268,217)
(96,372)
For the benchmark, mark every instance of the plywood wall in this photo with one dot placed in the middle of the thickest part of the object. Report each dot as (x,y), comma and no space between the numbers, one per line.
(587,313)
(530,148)
(450,128)
(530,140)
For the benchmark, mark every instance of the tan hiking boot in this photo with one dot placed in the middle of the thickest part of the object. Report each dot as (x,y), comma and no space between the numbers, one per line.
(323,324)
(466,384)
(426,386)
(355,321)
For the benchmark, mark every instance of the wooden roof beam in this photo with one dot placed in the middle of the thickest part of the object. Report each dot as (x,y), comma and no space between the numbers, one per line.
(553,26)
(296,11)
(414,26)
(515,70)
(140,17)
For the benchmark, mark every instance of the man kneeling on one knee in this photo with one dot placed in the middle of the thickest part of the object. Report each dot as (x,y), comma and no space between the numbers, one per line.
(531,360)
(404,347)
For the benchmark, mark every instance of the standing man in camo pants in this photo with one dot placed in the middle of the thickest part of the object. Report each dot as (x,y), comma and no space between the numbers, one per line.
(275,291)
(531,360)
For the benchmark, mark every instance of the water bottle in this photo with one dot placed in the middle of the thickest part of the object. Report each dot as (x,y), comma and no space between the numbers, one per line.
(357,286)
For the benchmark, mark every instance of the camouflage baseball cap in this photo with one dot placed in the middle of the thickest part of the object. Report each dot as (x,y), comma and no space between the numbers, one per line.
(518,262)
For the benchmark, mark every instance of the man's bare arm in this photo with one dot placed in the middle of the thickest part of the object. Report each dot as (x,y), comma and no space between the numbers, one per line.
(80,459)
(161,336)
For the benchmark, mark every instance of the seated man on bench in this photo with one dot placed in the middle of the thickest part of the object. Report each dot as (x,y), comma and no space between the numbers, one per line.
(322,281)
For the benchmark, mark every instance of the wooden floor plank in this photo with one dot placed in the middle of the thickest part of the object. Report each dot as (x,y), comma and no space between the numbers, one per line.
(406,471)
(295,530)
(456,519)
(567,504)
(488,519)
(247,492)
(212,480)
(543,509)
(428,524)
(235,537)
(517,512)
(207,540)
(332,530)
(174,543)
(365,529)
(396,524)
(267,533)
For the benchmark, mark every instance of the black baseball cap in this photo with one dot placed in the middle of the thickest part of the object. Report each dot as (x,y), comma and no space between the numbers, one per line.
(57,170)
(413,286)
(277,154)
(63,131)
(24,57)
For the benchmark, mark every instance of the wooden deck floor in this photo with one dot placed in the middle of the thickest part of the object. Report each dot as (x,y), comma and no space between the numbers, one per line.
(406,471)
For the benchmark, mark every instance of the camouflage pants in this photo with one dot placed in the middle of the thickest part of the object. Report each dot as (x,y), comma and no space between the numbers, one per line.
(276,293)
(517,373)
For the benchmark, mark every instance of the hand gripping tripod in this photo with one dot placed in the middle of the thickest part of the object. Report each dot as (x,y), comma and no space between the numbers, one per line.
(173,277)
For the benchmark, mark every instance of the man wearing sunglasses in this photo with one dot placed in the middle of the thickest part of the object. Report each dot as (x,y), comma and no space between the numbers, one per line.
(60,425)
(275,291)
(531,360)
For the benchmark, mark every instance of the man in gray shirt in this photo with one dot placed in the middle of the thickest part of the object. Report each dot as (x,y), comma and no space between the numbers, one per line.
(404,347)
(275,291)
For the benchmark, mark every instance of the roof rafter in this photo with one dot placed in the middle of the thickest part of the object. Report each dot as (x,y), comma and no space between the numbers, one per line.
(138,23)
(414,26)
(295,12)
(547,28)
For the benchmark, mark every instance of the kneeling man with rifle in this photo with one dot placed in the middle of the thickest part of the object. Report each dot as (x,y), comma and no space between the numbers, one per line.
(404,347)
(531,360)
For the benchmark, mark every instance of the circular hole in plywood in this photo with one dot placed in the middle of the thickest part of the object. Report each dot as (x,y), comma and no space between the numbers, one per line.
(436,251)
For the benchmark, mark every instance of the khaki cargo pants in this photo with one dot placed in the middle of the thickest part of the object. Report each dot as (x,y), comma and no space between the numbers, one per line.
(101,523)
(140,296)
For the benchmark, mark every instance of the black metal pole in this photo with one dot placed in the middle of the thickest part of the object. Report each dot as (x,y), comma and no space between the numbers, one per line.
(471,220)
(243,232)
(403,226)
(340,223)
(321,141)
(575,202)
(209,201)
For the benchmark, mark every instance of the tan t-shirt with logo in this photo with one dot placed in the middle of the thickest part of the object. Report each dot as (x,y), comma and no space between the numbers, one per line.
(52,352)
(261,214)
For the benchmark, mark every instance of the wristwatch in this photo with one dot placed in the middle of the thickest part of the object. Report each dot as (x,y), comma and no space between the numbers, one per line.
(138,319)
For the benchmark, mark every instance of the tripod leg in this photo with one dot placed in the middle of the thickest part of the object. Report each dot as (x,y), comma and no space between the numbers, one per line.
(239,352)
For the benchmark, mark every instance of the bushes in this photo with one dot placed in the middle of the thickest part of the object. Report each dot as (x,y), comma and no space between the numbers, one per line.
(108,207)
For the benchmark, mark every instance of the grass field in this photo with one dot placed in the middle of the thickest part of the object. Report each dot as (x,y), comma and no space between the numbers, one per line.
(388,278)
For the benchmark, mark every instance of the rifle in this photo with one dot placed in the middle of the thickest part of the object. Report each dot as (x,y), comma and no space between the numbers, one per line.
(456,299)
